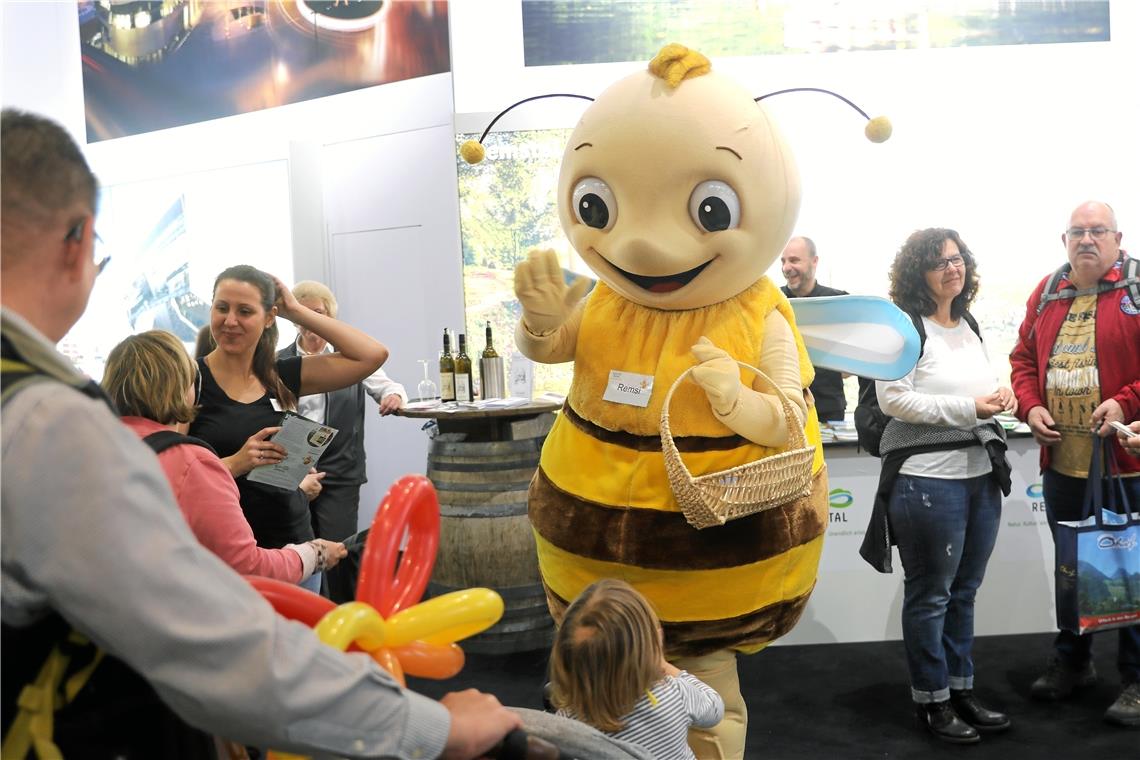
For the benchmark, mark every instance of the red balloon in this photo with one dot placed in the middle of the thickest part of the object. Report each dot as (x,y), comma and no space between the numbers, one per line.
(292,601)
(410,503)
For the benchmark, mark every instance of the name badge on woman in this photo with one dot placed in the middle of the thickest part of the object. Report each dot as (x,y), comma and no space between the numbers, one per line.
(629,388)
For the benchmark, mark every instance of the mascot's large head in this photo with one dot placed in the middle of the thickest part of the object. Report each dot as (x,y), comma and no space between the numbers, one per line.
(676,187)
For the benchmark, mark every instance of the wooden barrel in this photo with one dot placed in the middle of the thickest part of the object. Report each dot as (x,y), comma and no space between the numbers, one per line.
(485,538)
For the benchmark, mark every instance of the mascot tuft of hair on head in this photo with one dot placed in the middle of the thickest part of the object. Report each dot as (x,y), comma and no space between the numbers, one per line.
(678,191)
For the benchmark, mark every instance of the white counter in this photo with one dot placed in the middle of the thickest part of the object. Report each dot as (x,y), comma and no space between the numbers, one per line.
(853,602)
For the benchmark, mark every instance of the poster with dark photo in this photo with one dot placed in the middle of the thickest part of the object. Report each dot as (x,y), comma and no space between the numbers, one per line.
(561,32)
(155,64)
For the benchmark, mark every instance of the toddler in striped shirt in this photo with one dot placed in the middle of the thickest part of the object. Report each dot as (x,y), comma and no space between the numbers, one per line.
(608,669)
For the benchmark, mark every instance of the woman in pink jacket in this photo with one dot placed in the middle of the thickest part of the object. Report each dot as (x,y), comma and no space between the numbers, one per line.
(151,378)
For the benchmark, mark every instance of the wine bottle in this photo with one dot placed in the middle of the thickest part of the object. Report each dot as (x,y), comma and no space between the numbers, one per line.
(489,351)
(446,370)
(463,387)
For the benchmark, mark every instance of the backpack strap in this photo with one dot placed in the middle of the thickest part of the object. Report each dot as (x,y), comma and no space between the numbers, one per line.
(56,685)
(162,440)
(1129,278)
(920,328)
(17,373)
(973,323)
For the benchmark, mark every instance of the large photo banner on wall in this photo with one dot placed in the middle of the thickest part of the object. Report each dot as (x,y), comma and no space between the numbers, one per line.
(558,32)
(154,65)
(167,240)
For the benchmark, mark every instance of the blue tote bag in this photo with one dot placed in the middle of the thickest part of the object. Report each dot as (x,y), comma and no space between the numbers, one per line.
(1098,557)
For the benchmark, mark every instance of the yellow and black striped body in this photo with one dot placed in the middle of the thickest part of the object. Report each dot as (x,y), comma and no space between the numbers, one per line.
(601,505)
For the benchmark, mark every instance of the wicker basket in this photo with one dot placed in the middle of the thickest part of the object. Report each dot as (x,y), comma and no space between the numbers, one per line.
(717,497)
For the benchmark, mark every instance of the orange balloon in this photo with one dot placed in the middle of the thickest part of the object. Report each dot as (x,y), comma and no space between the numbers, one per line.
(390,661)
(436,661)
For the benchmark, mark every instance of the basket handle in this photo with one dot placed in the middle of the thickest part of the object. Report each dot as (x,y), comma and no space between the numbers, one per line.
(796,438)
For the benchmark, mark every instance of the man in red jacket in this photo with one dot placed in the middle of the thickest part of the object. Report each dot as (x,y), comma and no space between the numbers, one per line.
(1076,368)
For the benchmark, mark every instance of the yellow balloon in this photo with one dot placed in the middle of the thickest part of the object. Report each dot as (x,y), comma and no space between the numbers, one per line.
(446,619)
(353,622)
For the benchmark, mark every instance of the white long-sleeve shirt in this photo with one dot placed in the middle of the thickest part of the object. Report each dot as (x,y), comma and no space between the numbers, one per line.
(377,385)
(954,368)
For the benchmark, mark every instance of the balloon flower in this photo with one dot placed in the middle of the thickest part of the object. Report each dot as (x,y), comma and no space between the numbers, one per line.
(387,620)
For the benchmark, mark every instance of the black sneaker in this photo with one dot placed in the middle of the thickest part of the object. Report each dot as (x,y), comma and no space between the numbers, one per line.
(1059,680)
(976,714)
(940,719)
(1125,711)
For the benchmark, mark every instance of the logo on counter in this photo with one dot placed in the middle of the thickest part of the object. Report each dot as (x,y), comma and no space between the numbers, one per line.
(840,498)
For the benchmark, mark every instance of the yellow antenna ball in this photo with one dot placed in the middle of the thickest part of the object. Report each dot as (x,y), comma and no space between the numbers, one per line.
(878,129)
(473,151)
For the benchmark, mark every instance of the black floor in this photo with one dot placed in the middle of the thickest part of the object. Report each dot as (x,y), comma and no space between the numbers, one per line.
(853,701)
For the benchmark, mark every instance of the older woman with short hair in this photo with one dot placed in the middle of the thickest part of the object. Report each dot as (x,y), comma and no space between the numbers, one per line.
(151,378)
(943,464)
(334,511)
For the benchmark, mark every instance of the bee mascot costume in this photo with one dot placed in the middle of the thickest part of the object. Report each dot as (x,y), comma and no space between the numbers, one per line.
(678,191)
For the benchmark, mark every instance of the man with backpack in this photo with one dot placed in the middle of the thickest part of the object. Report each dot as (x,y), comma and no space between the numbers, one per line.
(94,548)
(1075,369)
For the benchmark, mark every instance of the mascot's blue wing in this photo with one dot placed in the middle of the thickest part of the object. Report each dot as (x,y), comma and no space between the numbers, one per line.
(862,335)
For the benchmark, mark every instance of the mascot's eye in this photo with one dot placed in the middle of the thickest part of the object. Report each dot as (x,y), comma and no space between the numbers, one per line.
(594,203)
(714,206)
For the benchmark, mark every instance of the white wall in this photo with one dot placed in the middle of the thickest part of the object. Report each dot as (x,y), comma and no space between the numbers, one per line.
(361,163)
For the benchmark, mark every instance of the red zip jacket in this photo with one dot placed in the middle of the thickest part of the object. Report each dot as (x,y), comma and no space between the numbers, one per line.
(1117,354)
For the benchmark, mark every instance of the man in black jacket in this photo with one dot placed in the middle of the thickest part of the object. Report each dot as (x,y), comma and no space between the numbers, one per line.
(798,263)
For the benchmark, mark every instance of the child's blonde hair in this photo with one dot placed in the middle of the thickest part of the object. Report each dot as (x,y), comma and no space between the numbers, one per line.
(606,654)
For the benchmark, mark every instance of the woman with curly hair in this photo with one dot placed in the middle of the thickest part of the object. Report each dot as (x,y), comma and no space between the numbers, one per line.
(943,465)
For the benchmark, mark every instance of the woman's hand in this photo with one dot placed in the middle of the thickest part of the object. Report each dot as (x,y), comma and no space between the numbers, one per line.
(987,406)
(330,552)
(255,452)
(286,303)
(1007,399)
(311,484)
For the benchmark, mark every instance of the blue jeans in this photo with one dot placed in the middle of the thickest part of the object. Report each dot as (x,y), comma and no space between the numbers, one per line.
(1064,498)
(312,583)
(945,530)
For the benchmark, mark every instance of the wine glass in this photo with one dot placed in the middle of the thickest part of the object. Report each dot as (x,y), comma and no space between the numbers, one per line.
(426,390)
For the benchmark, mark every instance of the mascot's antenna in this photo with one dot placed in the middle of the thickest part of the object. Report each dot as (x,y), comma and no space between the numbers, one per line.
(473,151)
(878,129)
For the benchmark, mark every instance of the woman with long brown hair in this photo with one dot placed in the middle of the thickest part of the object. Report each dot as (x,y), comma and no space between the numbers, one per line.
(244,389)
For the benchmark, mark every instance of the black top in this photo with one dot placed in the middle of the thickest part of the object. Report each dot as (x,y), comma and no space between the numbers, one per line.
(277,516)
(830,403)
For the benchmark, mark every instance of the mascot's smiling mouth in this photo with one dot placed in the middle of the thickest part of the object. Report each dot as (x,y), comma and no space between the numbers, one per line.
(665,284)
